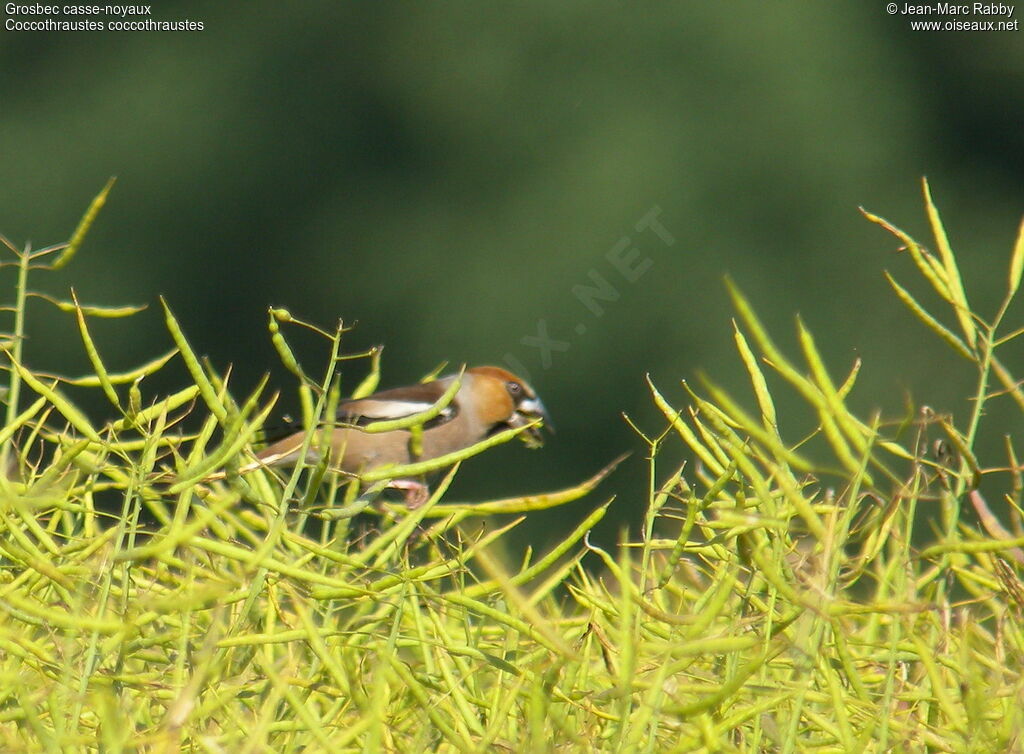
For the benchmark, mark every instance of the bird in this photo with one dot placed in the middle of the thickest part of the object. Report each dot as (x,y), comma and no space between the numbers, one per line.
(488,400)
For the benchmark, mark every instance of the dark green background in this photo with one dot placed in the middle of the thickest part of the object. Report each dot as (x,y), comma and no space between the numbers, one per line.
(446,173)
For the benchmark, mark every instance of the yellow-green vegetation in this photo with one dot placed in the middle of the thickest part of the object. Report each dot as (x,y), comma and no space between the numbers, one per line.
(851,590)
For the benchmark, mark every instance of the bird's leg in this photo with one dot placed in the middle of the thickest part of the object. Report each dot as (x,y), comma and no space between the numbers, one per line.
(416,493)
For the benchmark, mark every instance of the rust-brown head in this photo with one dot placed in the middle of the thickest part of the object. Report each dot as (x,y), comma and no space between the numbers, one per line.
(511,403)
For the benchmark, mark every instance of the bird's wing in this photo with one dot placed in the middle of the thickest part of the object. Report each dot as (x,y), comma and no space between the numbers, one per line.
(397,403)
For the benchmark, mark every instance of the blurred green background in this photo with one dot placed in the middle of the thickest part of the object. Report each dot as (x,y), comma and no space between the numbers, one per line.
(447,173)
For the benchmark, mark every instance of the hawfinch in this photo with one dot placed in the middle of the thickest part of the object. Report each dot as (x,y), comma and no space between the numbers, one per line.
(488,400)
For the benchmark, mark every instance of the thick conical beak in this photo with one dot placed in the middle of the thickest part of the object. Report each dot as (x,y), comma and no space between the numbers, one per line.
(528,411)
(534,409)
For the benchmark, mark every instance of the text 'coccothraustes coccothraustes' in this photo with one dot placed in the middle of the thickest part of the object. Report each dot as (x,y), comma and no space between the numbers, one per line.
(488,400)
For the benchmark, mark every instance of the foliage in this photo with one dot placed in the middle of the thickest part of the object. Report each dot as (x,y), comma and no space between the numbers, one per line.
(783,594)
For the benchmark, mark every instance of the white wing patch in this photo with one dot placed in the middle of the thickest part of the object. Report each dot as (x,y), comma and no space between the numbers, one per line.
(377,410)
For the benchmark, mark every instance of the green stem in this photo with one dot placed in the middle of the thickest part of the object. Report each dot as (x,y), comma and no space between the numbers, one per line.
(14,392)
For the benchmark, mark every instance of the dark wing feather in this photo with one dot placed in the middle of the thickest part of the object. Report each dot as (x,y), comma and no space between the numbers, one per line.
(397,403)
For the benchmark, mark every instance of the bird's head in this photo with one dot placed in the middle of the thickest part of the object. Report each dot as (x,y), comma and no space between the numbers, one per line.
(508,402)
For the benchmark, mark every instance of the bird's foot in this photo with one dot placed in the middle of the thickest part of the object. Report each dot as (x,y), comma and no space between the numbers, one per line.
(416,493)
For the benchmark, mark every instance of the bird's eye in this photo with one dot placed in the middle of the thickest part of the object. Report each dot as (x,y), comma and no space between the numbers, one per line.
(514,388)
